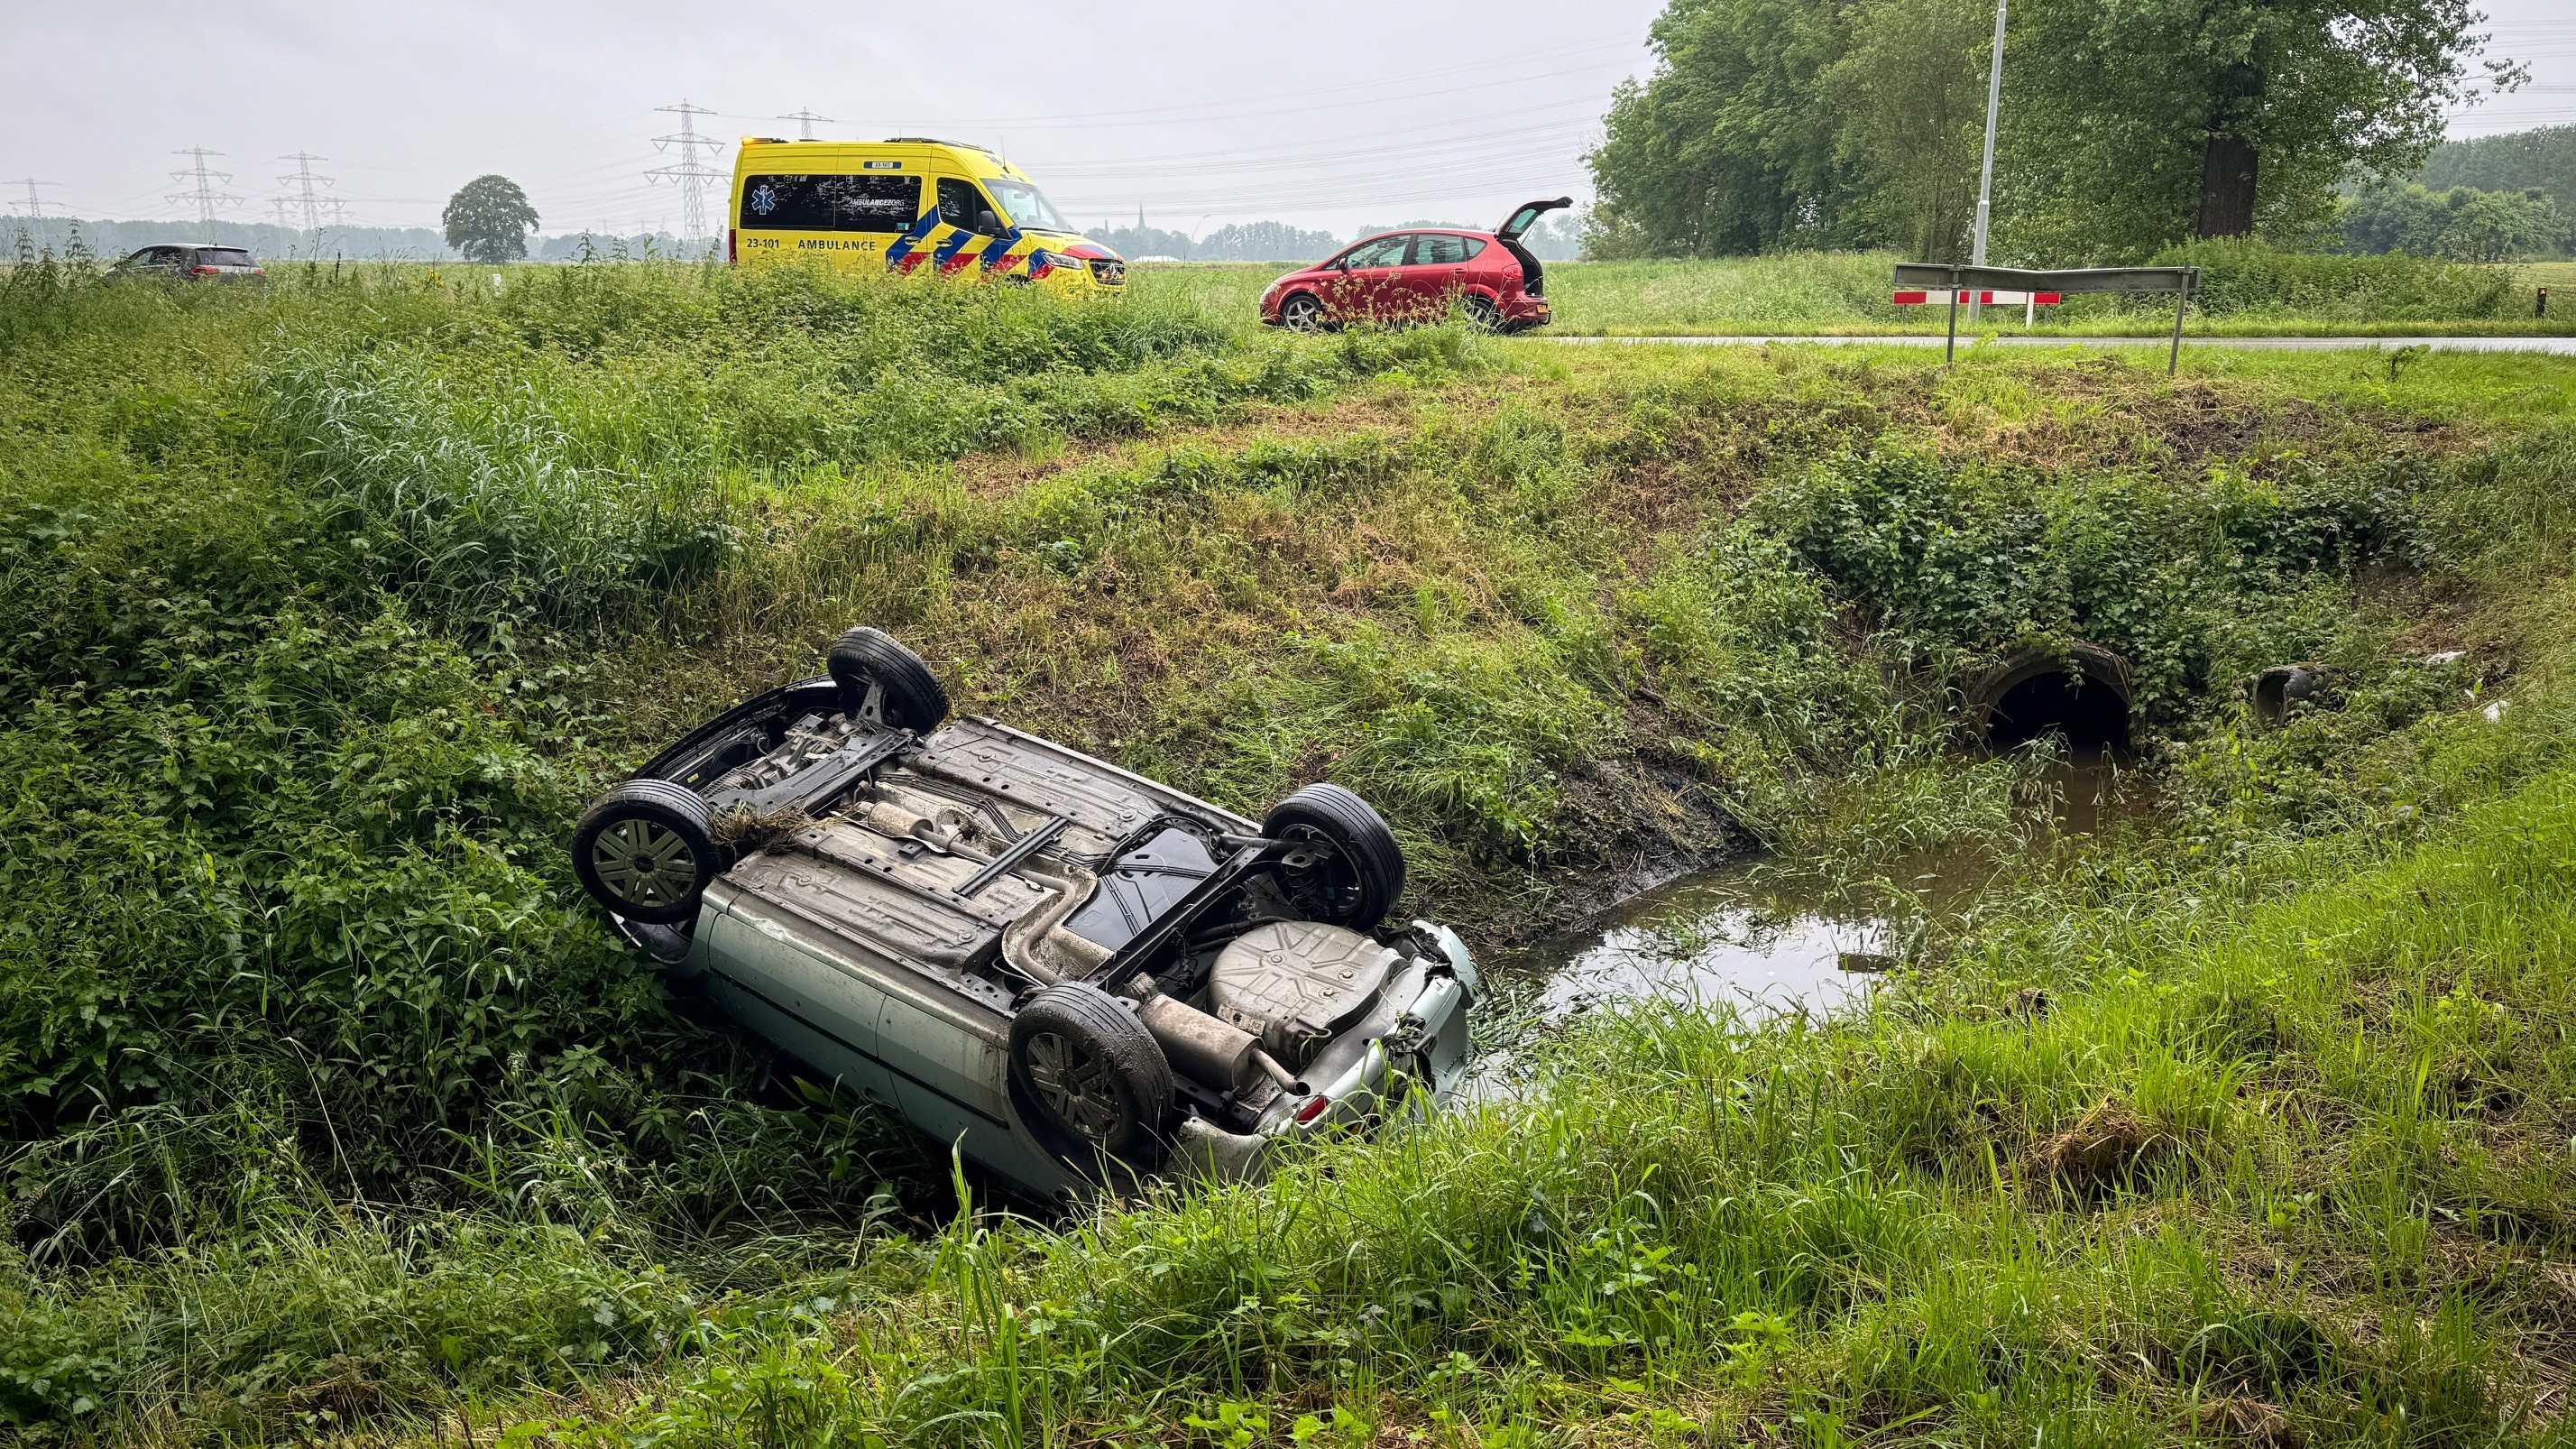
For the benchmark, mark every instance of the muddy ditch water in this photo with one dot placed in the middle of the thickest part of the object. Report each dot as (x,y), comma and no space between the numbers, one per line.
(1753,937)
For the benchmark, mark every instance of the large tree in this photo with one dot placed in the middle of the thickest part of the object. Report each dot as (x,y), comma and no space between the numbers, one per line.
(2141,122)
(1911,114)
(1730,147)
(2128,125)
(488,219)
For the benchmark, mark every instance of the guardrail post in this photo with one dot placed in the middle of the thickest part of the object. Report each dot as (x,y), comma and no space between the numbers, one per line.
(1950,349)
(2182,302)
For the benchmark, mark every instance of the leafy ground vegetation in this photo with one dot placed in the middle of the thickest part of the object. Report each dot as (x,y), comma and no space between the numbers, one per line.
(2248,290)
(332,1111)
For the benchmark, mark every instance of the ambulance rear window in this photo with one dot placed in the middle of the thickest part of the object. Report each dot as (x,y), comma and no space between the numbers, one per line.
(830,203)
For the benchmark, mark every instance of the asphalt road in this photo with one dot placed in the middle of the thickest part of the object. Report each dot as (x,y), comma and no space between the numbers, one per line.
(2561,345)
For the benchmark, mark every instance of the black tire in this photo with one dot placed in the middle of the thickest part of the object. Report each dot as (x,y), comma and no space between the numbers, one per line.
(1352,870)
(644,851)
(1482,314)
(913,699)
(1089,1076)
(1301,312)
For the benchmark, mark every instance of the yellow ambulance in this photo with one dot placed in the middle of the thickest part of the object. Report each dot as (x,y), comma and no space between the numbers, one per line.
(907,205)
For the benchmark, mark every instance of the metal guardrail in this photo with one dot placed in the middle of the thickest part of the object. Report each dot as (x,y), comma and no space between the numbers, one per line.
(2182,281)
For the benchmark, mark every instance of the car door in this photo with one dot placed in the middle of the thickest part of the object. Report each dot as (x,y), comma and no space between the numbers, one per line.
(967,224)
(944,1055)
(801,988)
(1367,287)
(1435,273)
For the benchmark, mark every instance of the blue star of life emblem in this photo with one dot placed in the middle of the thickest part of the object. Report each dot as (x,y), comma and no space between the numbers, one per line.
(763,200)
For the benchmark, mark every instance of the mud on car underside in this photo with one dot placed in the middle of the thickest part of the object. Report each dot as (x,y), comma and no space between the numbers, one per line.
(1071,972)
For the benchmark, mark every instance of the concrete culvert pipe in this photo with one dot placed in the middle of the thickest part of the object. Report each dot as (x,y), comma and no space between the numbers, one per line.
(2031,693)
(2277,688)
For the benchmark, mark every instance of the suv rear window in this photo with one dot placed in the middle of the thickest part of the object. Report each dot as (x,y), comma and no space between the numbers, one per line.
(224,257)
(830,203)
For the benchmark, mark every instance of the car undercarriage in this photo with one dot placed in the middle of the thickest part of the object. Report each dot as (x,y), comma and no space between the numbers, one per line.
(1072,973)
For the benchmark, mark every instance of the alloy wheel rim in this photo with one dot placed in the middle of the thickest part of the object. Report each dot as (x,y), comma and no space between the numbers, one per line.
(1075,1086)
(644,863)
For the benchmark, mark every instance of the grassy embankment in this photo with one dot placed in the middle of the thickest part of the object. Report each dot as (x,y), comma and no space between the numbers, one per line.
(2250,292)
(333,1107)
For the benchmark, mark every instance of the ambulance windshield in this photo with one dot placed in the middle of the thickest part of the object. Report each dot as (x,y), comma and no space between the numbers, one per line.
(1027,208)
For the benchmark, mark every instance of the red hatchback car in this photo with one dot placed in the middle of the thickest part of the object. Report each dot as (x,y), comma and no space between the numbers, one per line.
(1415,276)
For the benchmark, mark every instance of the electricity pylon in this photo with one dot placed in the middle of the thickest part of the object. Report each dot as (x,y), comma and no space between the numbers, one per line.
(201,192)
(806,120)
(688,173)
(306,198)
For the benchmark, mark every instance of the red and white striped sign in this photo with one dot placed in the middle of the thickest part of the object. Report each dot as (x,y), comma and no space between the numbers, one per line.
(1941,296)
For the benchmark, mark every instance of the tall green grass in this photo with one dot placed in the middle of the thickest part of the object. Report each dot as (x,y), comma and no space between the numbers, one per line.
(324,609)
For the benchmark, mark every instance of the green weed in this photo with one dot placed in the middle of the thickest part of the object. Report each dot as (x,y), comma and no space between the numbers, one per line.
(331,1109)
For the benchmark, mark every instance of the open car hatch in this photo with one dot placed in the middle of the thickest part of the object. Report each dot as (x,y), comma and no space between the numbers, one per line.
(1527,215)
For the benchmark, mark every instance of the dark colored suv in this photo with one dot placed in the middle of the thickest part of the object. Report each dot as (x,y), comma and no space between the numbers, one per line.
(194,263)
(1416,276)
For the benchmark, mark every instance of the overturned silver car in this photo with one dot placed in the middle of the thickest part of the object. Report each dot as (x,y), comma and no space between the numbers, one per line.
(1071,972)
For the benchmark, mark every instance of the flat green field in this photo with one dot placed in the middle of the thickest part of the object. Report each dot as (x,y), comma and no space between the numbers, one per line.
(331,1112)
(1830,293)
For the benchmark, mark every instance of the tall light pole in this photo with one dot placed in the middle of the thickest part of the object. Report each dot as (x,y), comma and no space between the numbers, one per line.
(1986,172)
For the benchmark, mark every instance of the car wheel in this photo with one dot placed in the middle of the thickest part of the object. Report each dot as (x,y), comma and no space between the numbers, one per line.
(1090,1075)
(1482,314)
(1302,313)
(1343,867)
(912,700)
(645,851)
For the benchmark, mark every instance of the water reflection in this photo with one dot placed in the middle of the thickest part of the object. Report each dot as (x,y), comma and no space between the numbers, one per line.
(1742,936)
(2092,791)
(1718,937)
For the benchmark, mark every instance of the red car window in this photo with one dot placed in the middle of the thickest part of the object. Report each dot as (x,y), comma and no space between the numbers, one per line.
(1386,251)
(1433,250)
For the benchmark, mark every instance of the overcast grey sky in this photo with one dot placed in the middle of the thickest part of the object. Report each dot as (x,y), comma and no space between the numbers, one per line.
(1328,114)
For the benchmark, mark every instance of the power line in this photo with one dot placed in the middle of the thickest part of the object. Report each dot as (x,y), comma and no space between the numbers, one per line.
(201,183)
(306,198)
(689,173)
(804,119)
